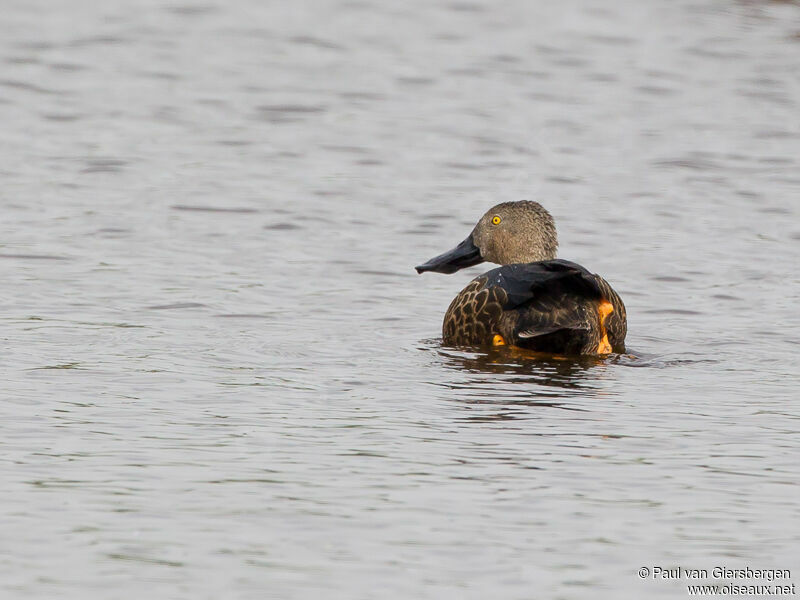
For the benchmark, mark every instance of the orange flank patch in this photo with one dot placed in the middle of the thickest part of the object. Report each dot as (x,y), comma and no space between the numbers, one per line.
(604,309)
(604,347)
(498,340)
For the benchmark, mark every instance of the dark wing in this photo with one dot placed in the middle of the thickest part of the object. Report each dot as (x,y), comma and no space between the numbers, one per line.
(548,302)
(526,282)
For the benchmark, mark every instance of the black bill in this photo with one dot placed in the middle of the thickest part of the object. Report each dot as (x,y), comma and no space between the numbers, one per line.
(464,255)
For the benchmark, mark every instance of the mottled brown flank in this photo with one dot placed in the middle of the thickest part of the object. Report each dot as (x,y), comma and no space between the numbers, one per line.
(473,316)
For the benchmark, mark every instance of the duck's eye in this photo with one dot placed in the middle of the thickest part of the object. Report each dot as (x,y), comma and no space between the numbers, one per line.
(496,220)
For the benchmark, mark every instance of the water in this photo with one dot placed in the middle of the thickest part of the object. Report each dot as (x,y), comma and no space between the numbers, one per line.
(223,378)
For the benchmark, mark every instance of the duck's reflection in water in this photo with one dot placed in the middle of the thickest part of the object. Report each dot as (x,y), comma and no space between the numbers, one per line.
(517,380)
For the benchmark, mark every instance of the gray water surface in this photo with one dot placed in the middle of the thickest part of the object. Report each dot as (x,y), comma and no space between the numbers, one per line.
(222,377)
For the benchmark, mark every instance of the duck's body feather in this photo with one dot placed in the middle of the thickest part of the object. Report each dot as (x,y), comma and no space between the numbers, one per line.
(552,306)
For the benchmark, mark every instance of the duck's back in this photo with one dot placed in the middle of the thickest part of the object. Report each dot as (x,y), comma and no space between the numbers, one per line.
(549,306)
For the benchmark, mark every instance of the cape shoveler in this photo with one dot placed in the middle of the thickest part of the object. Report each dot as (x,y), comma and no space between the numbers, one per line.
(534,301)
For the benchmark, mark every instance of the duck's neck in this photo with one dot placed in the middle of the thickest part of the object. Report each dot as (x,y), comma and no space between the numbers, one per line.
(539,252)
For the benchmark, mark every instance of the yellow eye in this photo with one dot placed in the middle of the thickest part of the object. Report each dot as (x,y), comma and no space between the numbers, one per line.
(496,220)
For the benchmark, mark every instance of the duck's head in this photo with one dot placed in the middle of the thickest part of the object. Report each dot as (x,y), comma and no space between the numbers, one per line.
(509,233)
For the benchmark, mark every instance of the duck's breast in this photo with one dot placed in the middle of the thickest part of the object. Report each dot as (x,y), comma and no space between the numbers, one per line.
(473,316)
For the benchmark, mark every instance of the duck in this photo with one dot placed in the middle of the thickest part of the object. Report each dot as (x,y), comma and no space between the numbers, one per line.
(533,301)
